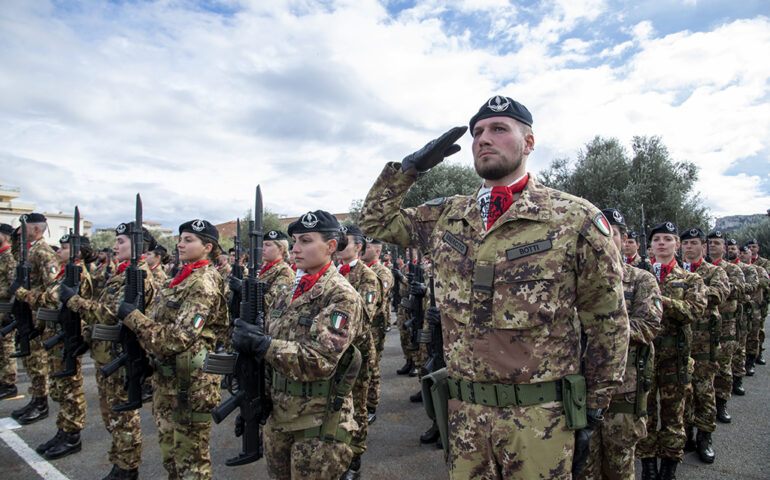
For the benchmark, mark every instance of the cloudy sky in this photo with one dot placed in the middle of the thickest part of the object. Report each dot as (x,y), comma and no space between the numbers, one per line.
(192,103)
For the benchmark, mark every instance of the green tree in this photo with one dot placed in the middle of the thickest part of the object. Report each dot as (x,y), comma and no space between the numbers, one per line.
(759,230)
(103,239)
(444,180)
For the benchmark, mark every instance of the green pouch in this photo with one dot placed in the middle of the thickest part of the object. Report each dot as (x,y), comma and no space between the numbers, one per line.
(715,329)
(645,366)
(435,394)
(573,390)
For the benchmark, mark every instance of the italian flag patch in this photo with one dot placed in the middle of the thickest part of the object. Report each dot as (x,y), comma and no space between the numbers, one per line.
(370,297)
(339,320)
(658,304)
(198,321)
(602,224)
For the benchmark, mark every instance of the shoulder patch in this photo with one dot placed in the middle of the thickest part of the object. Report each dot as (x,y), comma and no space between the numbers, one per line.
(658,304)
(370,297)
(198,321)
(339,319)
(602,224)
(435,202)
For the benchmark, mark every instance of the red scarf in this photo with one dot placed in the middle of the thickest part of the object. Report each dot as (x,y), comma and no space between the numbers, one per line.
(186,271)
(294,266)
(753,260)
(694,266)
(345,269)
(501,199)
(662,270)
(716,262)
(61,270)
(370,264)
(738,259)
(4,248)
(307,282)
(630,260)
(266,267)
(123,266)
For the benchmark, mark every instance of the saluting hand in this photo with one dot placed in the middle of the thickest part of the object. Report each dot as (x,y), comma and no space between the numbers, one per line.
(433,152)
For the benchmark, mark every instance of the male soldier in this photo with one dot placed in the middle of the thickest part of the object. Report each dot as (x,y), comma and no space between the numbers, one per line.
(684,301)
(757,334)
(612,446)
(403,313)
(7,364)
(231,256)
(43,270)
(754,320)
(700,405)
(743,322)
(763,262)
(68,390)
(223,267)
(104,268)
(631,249)
(365,281)
(371,257)
(520,268)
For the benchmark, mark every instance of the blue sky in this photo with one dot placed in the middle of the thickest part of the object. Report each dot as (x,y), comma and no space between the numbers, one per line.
(193,103)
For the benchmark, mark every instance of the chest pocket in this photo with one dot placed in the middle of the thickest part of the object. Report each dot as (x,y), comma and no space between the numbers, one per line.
(454,257)
(676,290)
(524,296)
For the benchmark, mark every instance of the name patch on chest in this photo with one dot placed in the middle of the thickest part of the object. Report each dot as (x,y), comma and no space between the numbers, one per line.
(528,249)
(455,243)
(305,321)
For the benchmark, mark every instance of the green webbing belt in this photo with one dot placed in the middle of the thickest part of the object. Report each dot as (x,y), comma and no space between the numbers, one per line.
(666,342)
(315,432)
(700,326)
(728,316)
(674,378)
(169,369)
(701,356)
(729,338)
(300,389)
(501,395)
(622,407)
(182,369)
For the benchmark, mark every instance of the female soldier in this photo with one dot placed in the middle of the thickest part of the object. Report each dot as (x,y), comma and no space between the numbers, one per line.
(275,270)
(181,326)
(308,345)
(126,449)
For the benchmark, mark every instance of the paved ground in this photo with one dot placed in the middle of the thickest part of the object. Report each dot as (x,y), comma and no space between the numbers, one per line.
(743,450)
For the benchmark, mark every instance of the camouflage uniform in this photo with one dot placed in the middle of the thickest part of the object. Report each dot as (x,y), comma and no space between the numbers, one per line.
(124,427)
(743,323)
(307,346)
(379,328)
(420,355)
(280,277)
(224,271)
(402,313)
(637,259)
(700,405)
(728,342)
(684,301)
(759,300)
(180,327)
(7,347)
(512,301)
(159,277)
(99,275)
(612,446)
(366,283)
(764,263)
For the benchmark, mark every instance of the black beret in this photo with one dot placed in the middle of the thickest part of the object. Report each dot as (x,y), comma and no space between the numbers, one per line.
(691,233)
(751,241)
(665,227)
(373,241)
(275,235)
(498,106)
(33,218)
(147,238)
(732,241)
(317,221)
(745,249)
(84,241)
(614,217)
(633,235)
(160,249)
(716,234)
(204,228)
(6,229)
(352,230)
(232,250)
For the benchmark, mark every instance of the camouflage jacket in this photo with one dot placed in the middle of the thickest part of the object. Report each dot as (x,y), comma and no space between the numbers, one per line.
(764,279)
(43,269)
(7,274)
(280,277)
(103,310)
(225,270)
(752,281)
(684,297)
(385,276)
(513,299)
(365,282)
(159,277)
(50,297)
(737,284)
(310,336)
(635,262)
(718,289)
(99,276)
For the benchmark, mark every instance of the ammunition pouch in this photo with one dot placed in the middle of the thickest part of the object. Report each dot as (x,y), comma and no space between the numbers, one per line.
(715,328)
(435,395)
(643,361)
(181,369)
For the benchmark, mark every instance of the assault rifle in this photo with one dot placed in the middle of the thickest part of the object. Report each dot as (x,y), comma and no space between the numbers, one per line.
(644,262)
(431,336)
(249,373)
(417,318)
(22,314)
(396,291)
(70,333)
(133,357)
(234,304)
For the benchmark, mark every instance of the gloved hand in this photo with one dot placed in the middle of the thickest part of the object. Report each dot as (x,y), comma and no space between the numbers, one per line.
(65,293)
(236,284)
(250,338)
(398,275)
(583,441)
(418,289)
(433,152)
(15,285)
(125,309)
(433,316)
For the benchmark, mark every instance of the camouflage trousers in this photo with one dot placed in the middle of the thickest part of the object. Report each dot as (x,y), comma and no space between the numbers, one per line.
(509,442)
(755,328)
(401,318)
(124,427)
(739,356)
(700,405)
(308,458)
(668,440)
(7,364)
(184,449)
(612,448)
(68,393)
(723,380)
(36,366)
(378,335)
(360,391)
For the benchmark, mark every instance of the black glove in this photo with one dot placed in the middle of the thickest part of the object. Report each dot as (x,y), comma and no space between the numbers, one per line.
(645,264)
(418,289)
(583,441)
(65,293)
(250,338)
(125,309)
(398,275)
(15,285)
(434,151)
(433,316)
(236,284)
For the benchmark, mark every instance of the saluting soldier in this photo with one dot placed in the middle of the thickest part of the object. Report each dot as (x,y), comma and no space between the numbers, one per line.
(308,343)
(7,271)
(631,249)
(125,452)
(684,301)
(754,319)
(520,268)
(612,446)
(44,267)
(756,259)
(700,406)
(743,323)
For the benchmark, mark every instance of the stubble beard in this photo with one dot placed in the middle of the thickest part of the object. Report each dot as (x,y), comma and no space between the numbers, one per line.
(500,169)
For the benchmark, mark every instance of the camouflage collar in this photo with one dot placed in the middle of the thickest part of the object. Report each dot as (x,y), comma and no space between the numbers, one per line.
(533,204)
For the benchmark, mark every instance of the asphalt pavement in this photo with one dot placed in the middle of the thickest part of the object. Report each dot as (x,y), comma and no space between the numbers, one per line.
(394,450)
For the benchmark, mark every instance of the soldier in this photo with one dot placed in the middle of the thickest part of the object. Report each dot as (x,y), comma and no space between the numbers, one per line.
(125,451)
(102,270)
(275,271)
(743,322)
(180,327)
(700,405)
(371,256)
(612,446)
(684,302)
(366,283)
(222,266)
(402,314)
(7,364)
(754,317)
(765,263)
(44,267)
(309,345)
(153,259)
(518,267)
(631,249)
(728,310)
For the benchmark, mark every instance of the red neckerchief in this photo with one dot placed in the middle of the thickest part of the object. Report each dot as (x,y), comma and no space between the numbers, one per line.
(662,270)
(694,266)
(631,259)
(345,269)
(156,266)
(186,271)
(123,266)
(370,264)
(753,260)
(716,262)
(294,266)
(61,270)
(266,267)
(4,248)
(307,282)
(501,199)
(738,259)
